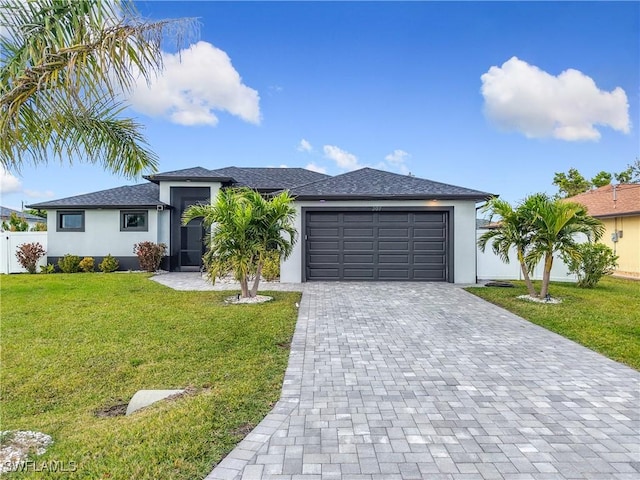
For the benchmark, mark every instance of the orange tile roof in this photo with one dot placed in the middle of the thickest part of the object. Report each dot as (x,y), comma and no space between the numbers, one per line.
(611,200)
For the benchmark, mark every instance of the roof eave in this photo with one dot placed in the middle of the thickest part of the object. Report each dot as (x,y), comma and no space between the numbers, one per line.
(477,198)
(162,178)
(617,214)
(98,207)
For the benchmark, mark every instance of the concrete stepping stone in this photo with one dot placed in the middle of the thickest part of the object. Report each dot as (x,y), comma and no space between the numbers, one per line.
(144,398)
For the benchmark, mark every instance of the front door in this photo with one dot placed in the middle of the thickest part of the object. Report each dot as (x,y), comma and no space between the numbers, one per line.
(187,241)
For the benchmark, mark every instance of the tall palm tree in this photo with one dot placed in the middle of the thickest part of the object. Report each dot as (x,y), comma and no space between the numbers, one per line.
(63,64)
(512,231)
(246,228)
(555,225)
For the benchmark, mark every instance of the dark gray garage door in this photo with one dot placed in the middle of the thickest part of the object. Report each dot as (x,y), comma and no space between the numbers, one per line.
(385,245)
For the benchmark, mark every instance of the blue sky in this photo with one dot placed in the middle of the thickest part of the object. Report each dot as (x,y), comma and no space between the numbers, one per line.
(495,96)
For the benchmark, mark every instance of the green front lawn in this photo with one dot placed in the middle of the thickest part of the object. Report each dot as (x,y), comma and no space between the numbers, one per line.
(605,319)
(73,345)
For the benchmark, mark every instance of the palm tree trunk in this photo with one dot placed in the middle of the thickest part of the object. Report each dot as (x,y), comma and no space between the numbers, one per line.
(256,281)
(525,275)
(546,275)
(244,287)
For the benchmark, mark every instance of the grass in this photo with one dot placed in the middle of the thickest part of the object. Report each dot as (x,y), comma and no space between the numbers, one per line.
(75,344)
(605,319)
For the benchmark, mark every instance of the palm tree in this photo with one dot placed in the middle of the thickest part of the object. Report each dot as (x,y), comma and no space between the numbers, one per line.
(512,231)
(555,225)
(246,228)
(63,64)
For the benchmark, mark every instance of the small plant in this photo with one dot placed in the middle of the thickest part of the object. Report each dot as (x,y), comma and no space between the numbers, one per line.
(87,264)
(271,267)
(596,260)
(16,224)
(28,255)
(39,227)
(150,255)
(69,263)
(109,264)
(48,268)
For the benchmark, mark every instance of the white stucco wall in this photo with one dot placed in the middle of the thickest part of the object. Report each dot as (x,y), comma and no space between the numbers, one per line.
(464,234)
(101,235)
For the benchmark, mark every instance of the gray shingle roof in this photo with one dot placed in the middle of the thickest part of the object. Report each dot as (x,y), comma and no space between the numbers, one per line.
(6,213)
(271,179)
(195,174)
(369,183)
(143,195)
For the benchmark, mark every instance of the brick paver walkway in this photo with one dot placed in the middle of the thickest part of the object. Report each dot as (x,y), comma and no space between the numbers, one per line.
(409,381)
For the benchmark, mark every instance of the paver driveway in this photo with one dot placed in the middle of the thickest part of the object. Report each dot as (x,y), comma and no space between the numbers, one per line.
(407,380)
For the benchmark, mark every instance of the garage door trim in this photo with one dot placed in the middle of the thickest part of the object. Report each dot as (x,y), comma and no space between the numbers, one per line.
(449,242)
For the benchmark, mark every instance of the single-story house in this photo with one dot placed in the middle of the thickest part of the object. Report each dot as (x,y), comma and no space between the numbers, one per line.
(618,207)
(32,220)
(366,224)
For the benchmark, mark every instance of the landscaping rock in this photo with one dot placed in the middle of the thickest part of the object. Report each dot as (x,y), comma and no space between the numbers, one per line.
(144,398)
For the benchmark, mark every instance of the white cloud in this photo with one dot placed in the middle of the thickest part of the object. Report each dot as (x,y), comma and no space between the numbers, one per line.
(193,85)
(396,161)
(344,160)
(315,168)
(38,193)
(521,97)
(8,182)
(304,146)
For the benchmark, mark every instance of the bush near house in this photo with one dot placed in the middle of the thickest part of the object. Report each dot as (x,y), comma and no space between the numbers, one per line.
(596,260)
(69,263)
(87,264)
(28,255)
(109,264)
(150,255)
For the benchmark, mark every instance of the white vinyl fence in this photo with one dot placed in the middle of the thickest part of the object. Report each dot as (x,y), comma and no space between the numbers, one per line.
(9,243)
(491,267)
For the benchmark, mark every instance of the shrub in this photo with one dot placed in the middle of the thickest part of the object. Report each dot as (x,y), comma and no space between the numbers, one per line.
(39,227)
(16,224)
(150,255)
(271,267)
(48,268)
(596,261)
(28,255)
(69,263)
(87,264)
(109,264)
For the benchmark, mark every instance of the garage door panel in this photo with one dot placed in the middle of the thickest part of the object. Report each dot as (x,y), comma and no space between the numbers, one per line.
(319,232)
(431,275)
(429,260)
(366,217)
(392,258)
(318,245)
(383,245)
(357,258)
(358,273)
(393,232)
(400,217)
(393,273)
(387,245)
(428,233)
(359,232)
(420,218)
(354,245)
(432,247)
(327,258)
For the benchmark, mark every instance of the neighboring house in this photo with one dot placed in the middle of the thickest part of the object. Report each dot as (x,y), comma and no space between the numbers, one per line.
(362,225)
(32,220)
(618,207)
